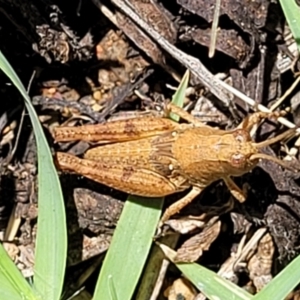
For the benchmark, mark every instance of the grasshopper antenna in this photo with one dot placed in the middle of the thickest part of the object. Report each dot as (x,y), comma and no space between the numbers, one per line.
(280,137)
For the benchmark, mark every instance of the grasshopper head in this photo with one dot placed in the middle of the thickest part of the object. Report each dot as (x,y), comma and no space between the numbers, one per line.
(240,159)
(247,155)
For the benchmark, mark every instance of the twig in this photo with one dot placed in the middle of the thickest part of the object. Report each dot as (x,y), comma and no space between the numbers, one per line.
(214,29)
(255,105)
(123,93)
(190,62)
(107,13)
(288,91)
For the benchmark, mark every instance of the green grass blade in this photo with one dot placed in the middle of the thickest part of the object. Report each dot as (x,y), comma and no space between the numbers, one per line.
(208,282)
(292,13)
(122,267)
(129,248)
(51,241)
(13,284)
(283,283)
(212,285)
(178,97)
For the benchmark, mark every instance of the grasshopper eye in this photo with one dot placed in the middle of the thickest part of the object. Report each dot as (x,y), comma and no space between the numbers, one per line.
(242,136)
(238,160)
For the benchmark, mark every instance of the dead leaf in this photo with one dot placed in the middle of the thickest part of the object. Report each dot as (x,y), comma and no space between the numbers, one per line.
(193,248)
(180,289)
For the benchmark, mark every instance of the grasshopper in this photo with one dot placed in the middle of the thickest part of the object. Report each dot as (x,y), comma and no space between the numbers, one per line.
(156,157)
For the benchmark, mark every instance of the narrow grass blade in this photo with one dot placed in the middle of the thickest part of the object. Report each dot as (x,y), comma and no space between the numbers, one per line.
(212,285)
(283,283)
(291,11)
(178,97)
(208,282)
(13,284)
(129,249)
(51,241)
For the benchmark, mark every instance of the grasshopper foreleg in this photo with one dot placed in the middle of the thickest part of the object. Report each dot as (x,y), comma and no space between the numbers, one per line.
(249,122)
(235,191)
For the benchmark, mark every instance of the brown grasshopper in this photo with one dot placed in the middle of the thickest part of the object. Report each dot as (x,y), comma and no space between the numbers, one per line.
(156,157)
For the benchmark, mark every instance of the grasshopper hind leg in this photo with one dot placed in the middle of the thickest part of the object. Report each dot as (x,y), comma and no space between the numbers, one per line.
(115,131)
(127,178)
